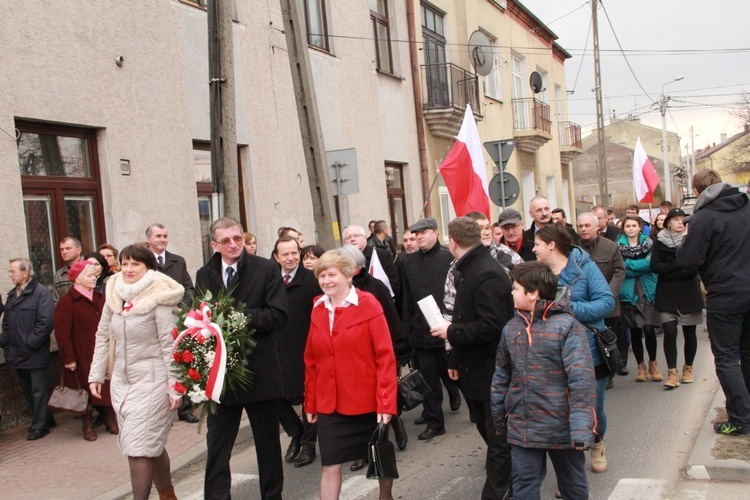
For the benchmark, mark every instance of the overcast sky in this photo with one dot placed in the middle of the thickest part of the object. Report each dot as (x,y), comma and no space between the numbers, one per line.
(657,26)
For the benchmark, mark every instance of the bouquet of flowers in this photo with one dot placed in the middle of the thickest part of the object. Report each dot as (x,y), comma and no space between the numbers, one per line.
(211,349)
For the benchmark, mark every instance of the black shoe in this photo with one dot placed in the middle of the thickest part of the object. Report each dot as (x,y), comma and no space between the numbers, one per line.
(399,432)
(455,401)
(99,421)
(610,384)
(305,457)
(624,371)
(419,421)
(431,433)
(35,434)
(294,449)
(358,465)
(729,429)
(188,417)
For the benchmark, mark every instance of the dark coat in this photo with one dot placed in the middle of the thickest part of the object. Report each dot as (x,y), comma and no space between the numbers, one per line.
(611,233)
(424,274)
(300,294)
(76,321)
(527,248)
(676,290)
(718,247)
(2,307)
(261,290)
(482,307)
(401,342)
(607,257)
(544,380)
(176,268)
(386,260)
(27,325)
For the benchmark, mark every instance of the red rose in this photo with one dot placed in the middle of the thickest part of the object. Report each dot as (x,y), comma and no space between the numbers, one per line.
(193,374)
(181,389)
(177,357)
(175,333)
(187,357)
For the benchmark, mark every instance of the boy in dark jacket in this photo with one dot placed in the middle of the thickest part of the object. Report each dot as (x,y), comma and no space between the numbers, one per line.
(543,391)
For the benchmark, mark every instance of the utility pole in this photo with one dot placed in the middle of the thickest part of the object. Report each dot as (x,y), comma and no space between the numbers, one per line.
(326,225)
(663,105)
(225,187)
(692,161)
(602,164)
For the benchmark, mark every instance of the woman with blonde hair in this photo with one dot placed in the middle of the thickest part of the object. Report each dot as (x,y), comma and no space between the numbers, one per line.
(139,313)
(251,244)
(350,371)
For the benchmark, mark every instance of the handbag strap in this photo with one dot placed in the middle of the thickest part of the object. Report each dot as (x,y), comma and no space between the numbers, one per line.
(383,432)
(75,372)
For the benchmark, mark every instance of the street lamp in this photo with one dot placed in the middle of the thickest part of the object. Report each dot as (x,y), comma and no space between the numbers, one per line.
(665,150)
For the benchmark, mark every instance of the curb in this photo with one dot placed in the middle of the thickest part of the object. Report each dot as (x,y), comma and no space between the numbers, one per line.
(195,454)
(702,464)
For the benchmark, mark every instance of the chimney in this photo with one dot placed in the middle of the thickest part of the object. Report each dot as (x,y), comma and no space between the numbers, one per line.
(723,137)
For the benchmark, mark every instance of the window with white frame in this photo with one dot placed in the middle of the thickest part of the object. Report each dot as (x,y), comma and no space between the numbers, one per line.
(493,83)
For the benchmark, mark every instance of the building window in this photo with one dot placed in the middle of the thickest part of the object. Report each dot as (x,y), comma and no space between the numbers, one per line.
(382,34)
(61,191)
(317,24)
(493,83)
(436,69)
(447,213)
(394,179)
(207,200)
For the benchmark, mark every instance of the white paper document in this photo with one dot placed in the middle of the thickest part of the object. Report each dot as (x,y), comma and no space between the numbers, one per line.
(431,312)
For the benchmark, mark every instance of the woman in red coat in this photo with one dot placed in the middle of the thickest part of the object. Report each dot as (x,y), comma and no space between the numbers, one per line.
(350,371)
(76,320)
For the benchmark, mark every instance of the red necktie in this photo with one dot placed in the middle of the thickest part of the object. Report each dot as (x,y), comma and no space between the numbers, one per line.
(286,279)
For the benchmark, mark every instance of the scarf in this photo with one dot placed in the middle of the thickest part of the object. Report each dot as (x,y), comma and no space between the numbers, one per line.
(639,251)
(89,294)
(129,291)
(670,239)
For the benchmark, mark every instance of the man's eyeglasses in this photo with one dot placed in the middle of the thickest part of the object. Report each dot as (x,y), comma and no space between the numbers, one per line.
(239,239)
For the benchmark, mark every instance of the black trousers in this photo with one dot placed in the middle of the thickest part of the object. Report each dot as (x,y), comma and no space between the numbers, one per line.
(35,387)
(222,432)
(498,463)
(622,337)
(433,363)
(295,426)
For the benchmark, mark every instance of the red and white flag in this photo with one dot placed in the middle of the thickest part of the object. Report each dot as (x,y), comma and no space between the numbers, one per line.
(377,271)
(464,172)
(645,179)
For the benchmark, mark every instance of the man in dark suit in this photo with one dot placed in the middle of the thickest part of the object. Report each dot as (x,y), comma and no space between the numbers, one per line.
(254,282)
(606,229)
(301,289)
(477,303)
(541,216)
(559,218)
(175,267)
(511,223)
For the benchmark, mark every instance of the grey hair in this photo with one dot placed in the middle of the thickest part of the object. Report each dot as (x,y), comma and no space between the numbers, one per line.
(594,218)
(353,228)
(150,228)
(224,223)
(24,264)
(76,242)
(356,254)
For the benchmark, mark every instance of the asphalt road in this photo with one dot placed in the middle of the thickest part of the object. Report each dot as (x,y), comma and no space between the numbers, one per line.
(651,432)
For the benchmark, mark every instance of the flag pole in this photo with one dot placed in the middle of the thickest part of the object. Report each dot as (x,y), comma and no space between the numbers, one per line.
(429,193)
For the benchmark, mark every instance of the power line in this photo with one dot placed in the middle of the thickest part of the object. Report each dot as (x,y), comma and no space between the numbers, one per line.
(585,45)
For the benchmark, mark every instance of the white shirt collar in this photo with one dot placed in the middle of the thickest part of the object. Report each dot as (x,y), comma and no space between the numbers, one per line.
(224,267)
(291,275)
(163,256)
(351,299)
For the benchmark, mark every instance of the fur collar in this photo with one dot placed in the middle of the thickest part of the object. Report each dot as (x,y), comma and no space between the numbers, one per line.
(154,289)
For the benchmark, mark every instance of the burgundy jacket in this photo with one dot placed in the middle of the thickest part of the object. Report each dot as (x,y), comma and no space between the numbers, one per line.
(351,371)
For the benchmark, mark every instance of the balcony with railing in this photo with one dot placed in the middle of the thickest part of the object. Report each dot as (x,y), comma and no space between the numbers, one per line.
(571,145)
(531,124)
(446,90)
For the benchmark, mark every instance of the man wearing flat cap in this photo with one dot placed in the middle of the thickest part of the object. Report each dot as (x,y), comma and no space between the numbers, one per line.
(424,274)
(511,223)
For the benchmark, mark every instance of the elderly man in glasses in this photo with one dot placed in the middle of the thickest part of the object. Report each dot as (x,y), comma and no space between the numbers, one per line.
(256,283)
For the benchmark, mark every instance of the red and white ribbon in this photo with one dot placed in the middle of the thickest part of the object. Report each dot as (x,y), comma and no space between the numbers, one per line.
(200,327)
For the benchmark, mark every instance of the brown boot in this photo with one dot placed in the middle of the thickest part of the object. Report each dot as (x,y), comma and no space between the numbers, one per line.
(642,375)
(687,374)
(110,420)
(653,370)
(672,379)
(167,494)
(89,434)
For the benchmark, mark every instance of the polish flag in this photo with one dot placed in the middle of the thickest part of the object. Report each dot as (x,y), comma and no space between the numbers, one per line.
(464,172)
(377,271)
(645,179)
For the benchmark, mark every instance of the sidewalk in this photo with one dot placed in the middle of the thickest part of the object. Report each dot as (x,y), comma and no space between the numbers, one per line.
(63,465)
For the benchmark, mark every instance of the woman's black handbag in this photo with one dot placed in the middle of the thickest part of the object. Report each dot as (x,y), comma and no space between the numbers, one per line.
(381,455)
(606,341)
(412,390)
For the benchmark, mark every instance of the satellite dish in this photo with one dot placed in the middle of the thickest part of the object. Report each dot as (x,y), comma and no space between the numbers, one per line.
(480,52)
(536,82)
